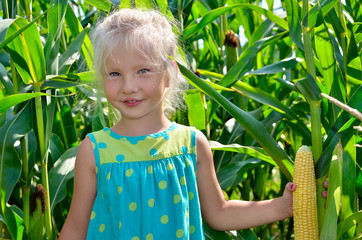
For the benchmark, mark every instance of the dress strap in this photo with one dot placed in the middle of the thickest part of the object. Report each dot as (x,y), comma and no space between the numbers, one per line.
(95,149)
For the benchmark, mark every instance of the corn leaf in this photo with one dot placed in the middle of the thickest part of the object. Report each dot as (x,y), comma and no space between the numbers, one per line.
(295,27)
(196,111)
(349,198)
(60,174)
(76,28)
(55,21)
(12,100)
(325,53)
(27,52)
(329,224)
(322,5)
(251,151)
(104,5)
(12,130)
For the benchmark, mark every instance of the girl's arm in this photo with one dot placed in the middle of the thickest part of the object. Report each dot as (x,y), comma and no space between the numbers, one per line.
(85,188)
(224,215)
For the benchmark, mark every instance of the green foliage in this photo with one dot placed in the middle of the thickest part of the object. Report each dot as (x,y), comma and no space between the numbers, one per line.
(256,112)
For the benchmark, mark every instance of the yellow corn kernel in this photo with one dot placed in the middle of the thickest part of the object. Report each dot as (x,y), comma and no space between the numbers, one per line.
(304,197)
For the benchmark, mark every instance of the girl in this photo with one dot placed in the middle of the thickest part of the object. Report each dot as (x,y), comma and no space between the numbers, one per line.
(137,180)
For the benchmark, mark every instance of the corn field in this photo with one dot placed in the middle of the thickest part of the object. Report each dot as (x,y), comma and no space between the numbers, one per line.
(266,77)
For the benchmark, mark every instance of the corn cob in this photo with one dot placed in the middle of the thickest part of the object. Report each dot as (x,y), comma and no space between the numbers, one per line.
(304,197)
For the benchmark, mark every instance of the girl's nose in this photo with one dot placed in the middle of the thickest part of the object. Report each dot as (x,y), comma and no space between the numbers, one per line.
(129,85)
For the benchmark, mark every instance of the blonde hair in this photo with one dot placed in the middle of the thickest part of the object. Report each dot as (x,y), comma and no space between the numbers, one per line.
(152,35)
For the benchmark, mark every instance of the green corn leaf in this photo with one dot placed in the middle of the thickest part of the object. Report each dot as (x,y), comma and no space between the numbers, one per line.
(354,102)
(125,4)
(277,67)
(4,24)
(254,127)
(14,223)
(234,173)
(212,15)
(309,89)
(295,27)
(196,111)
(55,21)
(262,31)
(246,60)
(329,224)
(349,203)
(351,221)
(251,151)
(12,130)
(325,53)
(104,5)
(76,28)
(245,18)
(71,53)
(344,135)
(322,5)
(144,4)
(14,99)
(27,52)
(354,65)
(60,174)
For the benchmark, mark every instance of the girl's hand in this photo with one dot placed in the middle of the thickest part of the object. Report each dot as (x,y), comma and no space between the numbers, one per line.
(288,197)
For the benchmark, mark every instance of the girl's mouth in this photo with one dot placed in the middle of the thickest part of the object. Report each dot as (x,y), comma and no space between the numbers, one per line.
(132,102)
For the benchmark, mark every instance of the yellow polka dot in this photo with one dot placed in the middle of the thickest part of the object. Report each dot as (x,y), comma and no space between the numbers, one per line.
(102,195)
(132,206)
(176,198)
(179,233)
(187,214)
(93,215)
(109,176)
(119,225)
(182,181)
(187,163)
(191,195)
(192,229)
(119,189)
(110,209)
(162,184)
(93,145)
(102,227)
(170,166)
(135,238)
(164,219)
(96,170)
(149,236)
(129,172)
(151,202)
(150,169)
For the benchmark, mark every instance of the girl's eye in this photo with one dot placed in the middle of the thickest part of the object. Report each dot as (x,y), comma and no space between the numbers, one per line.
(144,70)
(114,74)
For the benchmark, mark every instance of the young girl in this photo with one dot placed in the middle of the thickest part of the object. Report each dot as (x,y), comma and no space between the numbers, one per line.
(147,177)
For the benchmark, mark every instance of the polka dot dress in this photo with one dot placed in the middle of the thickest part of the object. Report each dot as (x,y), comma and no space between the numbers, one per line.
(146,186)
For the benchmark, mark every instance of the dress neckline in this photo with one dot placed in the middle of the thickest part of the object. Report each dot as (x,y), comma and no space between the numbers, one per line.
(153,135)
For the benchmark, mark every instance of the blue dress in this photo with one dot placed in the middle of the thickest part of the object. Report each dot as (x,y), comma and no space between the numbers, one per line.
(146,186)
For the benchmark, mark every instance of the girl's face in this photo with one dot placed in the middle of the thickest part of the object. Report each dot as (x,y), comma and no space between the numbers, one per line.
(133,85)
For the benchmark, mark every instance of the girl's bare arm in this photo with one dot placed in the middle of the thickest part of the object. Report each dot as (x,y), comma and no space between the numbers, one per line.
(85,188)
(223,215)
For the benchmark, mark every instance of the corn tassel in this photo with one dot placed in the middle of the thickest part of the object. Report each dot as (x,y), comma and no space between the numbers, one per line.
(304,197)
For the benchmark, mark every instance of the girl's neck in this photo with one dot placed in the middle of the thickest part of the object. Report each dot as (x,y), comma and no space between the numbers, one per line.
(140,127)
